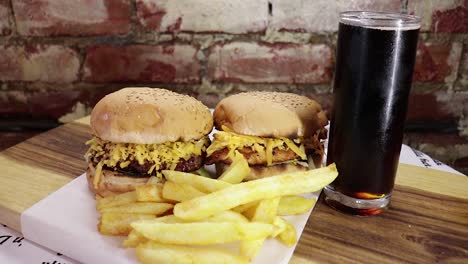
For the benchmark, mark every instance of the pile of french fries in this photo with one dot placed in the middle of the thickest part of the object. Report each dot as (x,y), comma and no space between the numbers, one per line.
(184,219)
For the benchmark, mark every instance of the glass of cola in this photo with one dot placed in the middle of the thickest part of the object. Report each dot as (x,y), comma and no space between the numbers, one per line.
(374,67)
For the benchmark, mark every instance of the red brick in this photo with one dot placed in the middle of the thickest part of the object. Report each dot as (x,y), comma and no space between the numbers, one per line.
(464,71)
(320,15)
(437,62)
(440,16)
(436,106)
(51,104)
(451,20)
(13,102)
(76,18)
(228,16)
(422,9)
(95,93)
(142,63)
(270,63)
(44,63)
(5,28)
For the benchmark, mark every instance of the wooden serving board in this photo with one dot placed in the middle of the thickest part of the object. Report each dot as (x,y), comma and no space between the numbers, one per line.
(426,222)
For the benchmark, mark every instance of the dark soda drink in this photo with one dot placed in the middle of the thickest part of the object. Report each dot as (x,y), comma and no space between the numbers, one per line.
(374,68)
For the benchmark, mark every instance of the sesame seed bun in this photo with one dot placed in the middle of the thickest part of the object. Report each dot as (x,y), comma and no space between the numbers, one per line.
(150,116)
(145,116)
(270,114)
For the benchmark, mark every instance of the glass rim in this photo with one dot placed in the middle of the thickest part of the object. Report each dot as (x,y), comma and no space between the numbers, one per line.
(380,20)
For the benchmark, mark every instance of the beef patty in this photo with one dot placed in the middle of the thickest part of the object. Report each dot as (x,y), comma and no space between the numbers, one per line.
(141,170)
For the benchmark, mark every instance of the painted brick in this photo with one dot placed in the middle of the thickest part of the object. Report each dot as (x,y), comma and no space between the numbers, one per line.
(437,62)
(423,9)
(451,20)
(270,63)
(76,18)
(96,92)
(228,16)
(464,71)
(320,15)
(51,104)
(441,16)
(43,63)
(142,63)
(437,107)
(5,28)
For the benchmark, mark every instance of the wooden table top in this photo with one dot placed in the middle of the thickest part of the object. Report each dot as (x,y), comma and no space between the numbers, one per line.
(427,221)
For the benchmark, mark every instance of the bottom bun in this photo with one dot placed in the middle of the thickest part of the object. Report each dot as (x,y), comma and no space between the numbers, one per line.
(258,171)
(113,182)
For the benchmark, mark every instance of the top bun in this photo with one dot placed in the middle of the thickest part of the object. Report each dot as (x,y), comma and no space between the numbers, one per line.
(150,116)
(270,114)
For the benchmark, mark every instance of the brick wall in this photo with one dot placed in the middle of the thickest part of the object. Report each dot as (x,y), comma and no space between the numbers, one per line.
(57,58)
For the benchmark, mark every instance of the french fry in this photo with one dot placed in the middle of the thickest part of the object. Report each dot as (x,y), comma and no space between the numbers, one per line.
(201,233)
(237,171)
(154,180)
(280,225)
(265,212)
(116,200)
(152,252)
(203,184)
(149,193)
(139,208)
(244,207)
(288,235)
(250,212)
(293,205)
(169,219)
(179,191)
(265,188)
(119,223)
(227,216)
(134,239)
(204,173)
(250,248)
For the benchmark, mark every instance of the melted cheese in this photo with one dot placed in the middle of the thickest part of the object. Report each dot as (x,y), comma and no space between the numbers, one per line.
(97,175)
(169,153)
(269,152)
(233,141)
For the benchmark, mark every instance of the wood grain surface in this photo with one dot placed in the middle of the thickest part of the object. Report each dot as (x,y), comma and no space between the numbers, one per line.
(39,166)
(427,221)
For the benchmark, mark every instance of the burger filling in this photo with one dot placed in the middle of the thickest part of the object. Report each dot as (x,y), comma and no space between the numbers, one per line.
(144,160)
(262,150)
